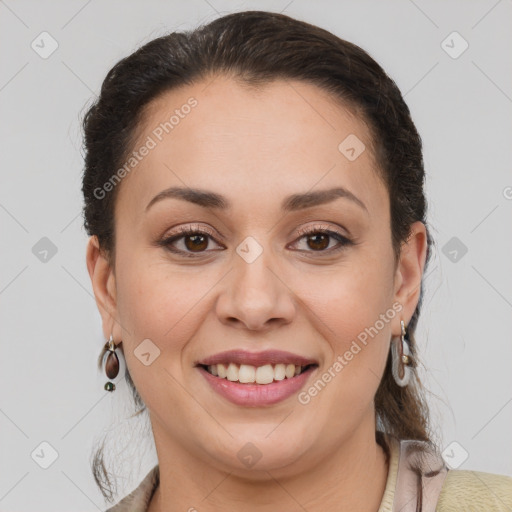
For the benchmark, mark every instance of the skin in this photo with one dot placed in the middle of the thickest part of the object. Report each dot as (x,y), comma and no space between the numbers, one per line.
(256,148)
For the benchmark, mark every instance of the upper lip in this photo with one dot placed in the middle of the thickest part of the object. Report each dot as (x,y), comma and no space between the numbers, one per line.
(256,358)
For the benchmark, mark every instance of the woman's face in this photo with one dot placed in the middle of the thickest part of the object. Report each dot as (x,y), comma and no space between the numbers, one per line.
(250,279)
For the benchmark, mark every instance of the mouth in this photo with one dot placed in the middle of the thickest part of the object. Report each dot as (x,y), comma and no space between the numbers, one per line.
(262,375)
(264,385)
(256,379)
(262,368)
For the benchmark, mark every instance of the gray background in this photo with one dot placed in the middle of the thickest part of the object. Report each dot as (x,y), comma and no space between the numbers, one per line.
(50,330)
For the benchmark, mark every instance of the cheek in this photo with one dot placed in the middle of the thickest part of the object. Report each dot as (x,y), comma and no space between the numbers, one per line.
(351,299)
(353,312)
(161,303)
(163,307)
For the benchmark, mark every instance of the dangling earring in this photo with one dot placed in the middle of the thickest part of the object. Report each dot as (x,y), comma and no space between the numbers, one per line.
(111,364)
(401,359)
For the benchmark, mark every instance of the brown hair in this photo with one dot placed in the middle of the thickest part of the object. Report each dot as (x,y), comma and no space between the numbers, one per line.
(257,47)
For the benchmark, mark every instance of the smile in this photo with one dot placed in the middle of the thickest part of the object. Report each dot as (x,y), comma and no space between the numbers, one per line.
(247,374)
(261,388)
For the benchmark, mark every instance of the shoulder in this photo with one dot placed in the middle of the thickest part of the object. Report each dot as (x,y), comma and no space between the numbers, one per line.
(475,491)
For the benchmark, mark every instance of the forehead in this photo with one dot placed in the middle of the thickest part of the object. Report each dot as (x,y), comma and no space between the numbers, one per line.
(245,142)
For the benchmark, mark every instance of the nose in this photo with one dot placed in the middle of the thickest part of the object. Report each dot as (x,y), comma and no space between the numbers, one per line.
(255,297)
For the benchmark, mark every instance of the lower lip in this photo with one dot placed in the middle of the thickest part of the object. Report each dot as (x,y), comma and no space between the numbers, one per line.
(256,395)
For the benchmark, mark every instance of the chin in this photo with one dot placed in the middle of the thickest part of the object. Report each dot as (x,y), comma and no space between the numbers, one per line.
(252,454)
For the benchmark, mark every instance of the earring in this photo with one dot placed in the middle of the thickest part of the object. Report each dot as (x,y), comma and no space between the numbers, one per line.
(401,359)
(111,364)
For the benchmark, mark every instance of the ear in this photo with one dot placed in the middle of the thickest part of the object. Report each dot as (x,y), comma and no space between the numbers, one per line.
(409,273)
(104,286)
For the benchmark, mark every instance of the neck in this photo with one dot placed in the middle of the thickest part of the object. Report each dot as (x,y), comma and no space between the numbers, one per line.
(353,478)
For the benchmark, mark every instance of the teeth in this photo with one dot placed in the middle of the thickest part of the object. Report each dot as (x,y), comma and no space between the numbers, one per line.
(247,373)
(222,370)
(232,373)
(264,374)
(289,371)
(279,371)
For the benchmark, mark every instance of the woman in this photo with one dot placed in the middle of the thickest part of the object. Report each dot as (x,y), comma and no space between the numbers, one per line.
(254,196)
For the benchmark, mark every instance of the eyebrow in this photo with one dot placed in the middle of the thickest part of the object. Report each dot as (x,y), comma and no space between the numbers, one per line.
(294,202)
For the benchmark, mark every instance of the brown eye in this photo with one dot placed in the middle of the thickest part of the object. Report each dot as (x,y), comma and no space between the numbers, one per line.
(196,242)
(318,241)
(189,242)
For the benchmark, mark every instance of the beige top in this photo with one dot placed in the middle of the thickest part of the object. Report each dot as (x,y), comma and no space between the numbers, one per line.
(458,490)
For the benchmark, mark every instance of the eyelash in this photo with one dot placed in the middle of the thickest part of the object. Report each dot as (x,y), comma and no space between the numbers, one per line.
(188,231)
